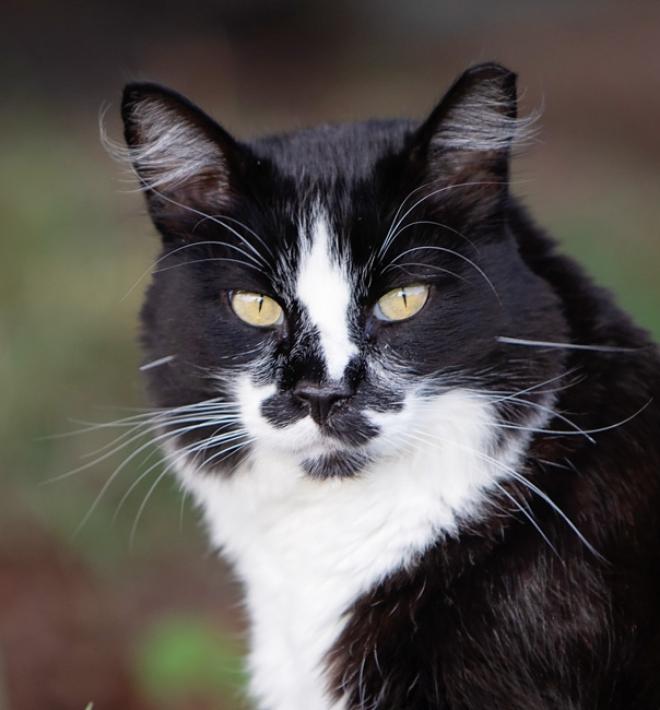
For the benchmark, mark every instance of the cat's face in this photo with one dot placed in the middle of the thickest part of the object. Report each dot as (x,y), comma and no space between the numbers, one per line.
(320,292)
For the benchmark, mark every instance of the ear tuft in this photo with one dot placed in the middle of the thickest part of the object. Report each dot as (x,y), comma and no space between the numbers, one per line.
(170,141)
(480,112)
(463,149)
(476,123)
(176,150)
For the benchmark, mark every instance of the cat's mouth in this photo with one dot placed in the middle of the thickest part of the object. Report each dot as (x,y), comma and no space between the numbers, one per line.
(337,446)
(335,451)
(338,463)
(324,456)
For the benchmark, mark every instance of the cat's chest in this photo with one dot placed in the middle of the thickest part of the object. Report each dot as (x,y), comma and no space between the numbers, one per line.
(306,550)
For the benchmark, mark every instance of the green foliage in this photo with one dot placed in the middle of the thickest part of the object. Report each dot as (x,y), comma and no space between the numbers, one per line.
(182,656)
(629,270)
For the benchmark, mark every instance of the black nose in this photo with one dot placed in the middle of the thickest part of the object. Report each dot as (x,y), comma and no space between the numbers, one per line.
(321,398)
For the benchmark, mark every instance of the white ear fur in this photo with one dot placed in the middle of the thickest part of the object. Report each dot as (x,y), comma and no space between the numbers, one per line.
(169,142)
(482,123)
(477,122)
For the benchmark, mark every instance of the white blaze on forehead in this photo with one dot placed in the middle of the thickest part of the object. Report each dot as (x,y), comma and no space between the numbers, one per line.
(324,290)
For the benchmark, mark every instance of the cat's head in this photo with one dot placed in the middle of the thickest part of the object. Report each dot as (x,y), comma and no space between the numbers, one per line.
(320,292)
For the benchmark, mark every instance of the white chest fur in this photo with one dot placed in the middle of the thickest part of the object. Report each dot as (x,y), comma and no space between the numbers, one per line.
(306,549)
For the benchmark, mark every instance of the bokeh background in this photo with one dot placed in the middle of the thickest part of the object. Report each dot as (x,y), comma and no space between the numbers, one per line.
(91,613)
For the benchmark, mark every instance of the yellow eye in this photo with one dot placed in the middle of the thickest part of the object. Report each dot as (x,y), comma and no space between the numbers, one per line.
(256,308)
(401,303)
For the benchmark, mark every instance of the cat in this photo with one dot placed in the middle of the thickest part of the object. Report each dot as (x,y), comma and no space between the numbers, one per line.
(425,440)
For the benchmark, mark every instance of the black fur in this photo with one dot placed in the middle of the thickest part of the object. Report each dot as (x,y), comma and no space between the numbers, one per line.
(497,617)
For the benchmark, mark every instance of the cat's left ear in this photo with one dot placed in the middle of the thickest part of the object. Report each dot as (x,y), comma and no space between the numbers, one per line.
(184,160)
(465,144)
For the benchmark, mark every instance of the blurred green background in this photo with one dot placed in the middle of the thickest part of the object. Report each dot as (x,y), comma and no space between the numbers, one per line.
(88,616)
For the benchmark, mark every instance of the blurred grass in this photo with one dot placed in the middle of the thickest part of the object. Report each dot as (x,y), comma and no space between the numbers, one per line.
(68,339)
(619,243)
(179,654)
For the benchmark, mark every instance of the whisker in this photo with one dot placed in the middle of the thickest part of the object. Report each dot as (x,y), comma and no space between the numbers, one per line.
(554,413)
(234,356)
(213,441)
(157,363)
(226,452)
(521,479)
(388,241)
(209,259)
(425,266)
(192,245)
(401,205)
(524,509)
(430,222)
(215,220)
(136,483)
(203,422)
(565,346)
(184,496)
(214,401)
(247,229)
(597,430)
(458,255)
(122,466)
(138,420)
(114,443)
(146,415)
(546,498)
(143,506)
(532,388)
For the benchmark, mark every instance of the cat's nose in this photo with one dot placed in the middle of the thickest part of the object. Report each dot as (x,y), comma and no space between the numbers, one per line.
(321,398)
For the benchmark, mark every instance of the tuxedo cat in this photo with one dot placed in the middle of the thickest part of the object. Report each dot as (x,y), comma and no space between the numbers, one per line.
(428,444)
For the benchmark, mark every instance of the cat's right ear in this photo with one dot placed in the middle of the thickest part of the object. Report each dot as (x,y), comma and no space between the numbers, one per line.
(463,148)
(183,159)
